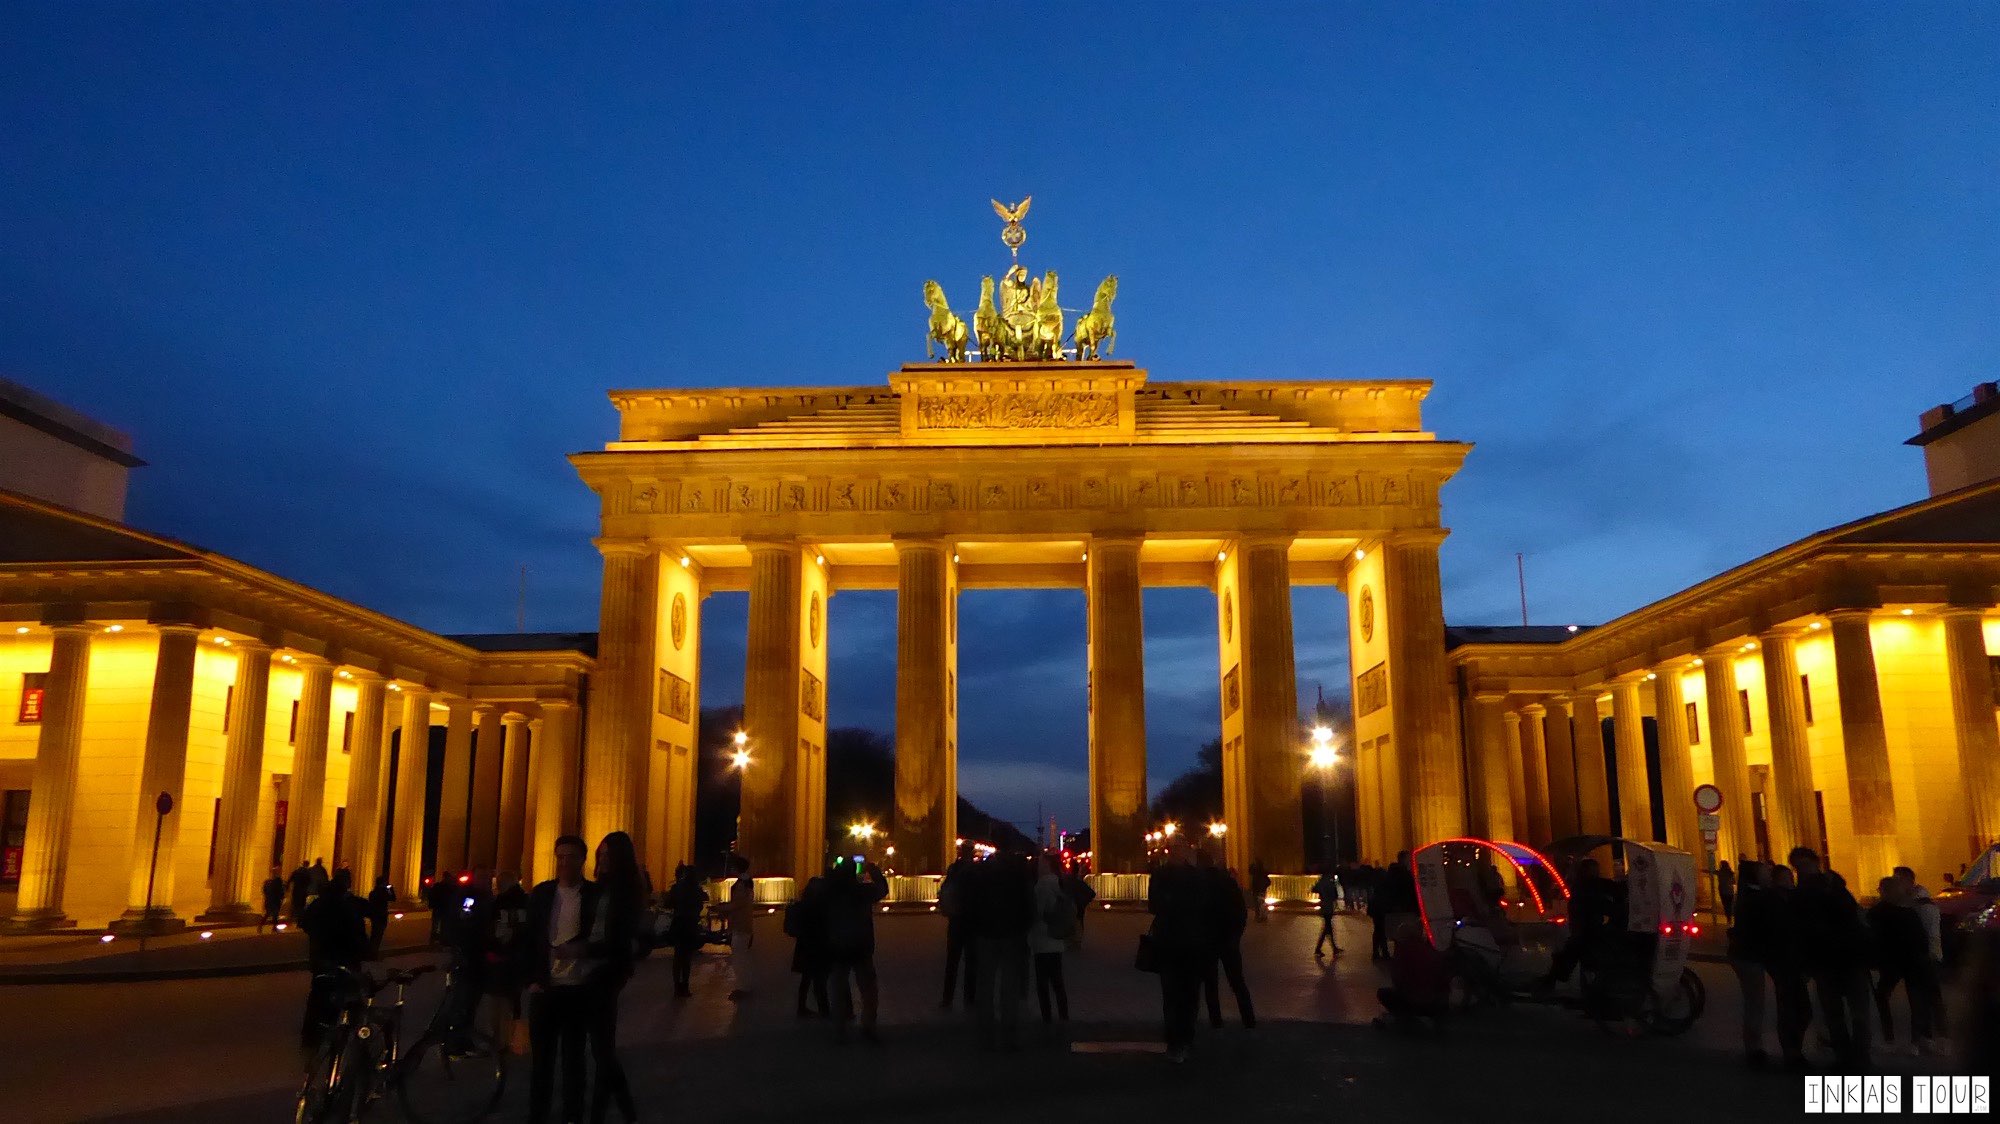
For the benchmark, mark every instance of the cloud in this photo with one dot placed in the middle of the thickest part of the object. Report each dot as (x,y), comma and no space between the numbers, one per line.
(1011,790)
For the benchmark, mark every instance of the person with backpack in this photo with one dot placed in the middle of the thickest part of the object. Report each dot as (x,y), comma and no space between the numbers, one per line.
(805,923)
(1050,933)
(959,949)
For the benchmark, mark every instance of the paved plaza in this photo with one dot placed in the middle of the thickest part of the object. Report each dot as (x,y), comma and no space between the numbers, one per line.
(221,1049)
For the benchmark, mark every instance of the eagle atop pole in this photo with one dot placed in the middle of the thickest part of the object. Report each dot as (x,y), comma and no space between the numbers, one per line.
(1012,234)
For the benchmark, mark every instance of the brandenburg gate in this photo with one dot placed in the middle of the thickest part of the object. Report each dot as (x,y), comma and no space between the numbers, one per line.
(1019,470)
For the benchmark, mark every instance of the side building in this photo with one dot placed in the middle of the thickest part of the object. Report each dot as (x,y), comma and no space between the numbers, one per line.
(1839,692)
(282,722)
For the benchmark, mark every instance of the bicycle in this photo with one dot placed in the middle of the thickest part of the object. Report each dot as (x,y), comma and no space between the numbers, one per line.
(453,1073)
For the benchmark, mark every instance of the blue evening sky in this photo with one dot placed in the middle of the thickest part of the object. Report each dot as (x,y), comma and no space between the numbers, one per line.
(356,276)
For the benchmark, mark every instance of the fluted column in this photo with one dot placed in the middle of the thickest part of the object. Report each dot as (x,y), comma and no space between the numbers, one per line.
(164,769)
(557,764)
(511,840)
(413,766)
(1725,749)
(1494,804)
(1795,824)
(1510,759)
(1865,746)
(232,892)
(304,838)
(765,832)
(1117,706)
(1420,688)
(1972,715)
(52,789)
(1274,759)
(1563,821)
(362,842)
(619,735)
(483,827)
(1628,732)
(923,766)
(1676,760)
(455,795)
(1535,771)
(1593,789)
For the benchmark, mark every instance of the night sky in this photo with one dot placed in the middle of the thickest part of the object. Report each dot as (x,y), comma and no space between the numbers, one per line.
(356,277)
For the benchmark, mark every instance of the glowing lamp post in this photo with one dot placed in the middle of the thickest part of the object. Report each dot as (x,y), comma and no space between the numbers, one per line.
(739,760)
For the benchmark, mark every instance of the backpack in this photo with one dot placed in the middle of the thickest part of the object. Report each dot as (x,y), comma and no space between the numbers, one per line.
(795,920)
(1059,918)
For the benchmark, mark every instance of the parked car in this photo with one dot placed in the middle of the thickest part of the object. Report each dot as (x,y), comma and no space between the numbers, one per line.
(1972,903)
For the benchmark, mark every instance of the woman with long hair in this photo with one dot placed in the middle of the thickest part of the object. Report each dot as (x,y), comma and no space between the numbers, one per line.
(614,937)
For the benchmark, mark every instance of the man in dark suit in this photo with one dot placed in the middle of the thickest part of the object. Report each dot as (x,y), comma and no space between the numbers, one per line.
(560,914)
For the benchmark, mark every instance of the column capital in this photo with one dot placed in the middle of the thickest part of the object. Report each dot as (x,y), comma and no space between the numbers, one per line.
(454,703)
(1780,632)
(309,659)
(1962,612)
(1851,613)
(248,645)
(74,628)
(1535,710)
(1510,716)
(480,709)
(1265,539)
(557,704)
(765,544)
(1417,536)
(631,547)
(1722,650)
(513,718)
(919,542)
(360,675)
(1489,696)
(1117,540)
(178,628)
(535,725)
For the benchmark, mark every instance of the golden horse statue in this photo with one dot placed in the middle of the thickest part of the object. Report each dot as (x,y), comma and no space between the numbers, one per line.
(947,327)
(995,341)
(1097,326)
(1046,342)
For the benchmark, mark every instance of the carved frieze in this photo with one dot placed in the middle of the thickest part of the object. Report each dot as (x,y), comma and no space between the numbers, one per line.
(1056,410)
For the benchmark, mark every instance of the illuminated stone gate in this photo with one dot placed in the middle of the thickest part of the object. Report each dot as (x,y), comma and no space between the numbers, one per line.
(1008,475)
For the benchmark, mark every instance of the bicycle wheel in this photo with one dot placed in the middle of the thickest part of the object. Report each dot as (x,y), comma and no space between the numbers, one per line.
(324,1091)
(449,1078)
(1680,1007)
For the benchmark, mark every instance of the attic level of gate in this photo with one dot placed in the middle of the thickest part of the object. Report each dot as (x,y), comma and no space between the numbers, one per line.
(1073,403)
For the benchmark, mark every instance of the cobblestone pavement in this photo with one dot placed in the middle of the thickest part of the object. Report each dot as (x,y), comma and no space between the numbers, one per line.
(209,1050)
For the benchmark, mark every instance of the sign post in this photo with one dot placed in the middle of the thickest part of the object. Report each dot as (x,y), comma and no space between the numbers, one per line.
(1708,802)
(161,806)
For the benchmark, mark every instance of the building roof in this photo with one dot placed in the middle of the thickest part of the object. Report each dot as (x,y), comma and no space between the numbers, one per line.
(59,421)
(1455,635)
(585,642)
(36,530)
(1966,515)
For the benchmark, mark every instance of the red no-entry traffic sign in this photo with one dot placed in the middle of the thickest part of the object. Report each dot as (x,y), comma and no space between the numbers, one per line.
(1707,799)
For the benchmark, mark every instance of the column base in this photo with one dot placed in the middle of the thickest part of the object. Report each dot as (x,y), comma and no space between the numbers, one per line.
(230,915)
(40,921)
(138,922)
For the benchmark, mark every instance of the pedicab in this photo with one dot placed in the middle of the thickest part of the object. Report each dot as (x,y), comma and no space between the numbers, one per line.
(1497,929)
(1640,982)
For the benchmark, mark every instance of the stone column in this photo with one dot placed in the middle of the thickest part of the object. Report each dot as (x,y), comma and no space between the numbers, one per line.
(1635,801)
(1563,821)
(556,761)
(1593,791)
(304,835)
(164,769)
(1117,706)
(233,891)
(509,850)
(406,833)
(765,832)
(1535,771)
(1725,748)
(1510,760)
(1795,822)
(52,791)
(1494,807)
(1865,742)
(455,794)
(1676,760)
(923,766)
(1274,752)
(1420,688)
(532,850)
(483,832)
(362,844)
(1972,715)
(621,723)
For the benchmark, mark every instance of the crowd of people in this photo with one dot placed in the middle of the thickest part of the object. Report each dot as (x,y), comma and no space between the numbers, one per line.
(1804,949)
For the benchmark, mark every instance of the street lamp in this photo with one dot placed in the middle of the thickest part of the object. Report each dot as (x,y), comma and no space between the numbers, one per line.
(1218,830)
(1169,828)
(862,831)
(1323,757)
(739,760)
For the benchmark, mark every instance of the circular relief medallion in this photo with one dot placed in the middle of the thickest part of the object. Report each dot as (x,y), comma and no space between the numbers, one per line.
(677,620)
(812,620)
(1228,616)
(1367,614)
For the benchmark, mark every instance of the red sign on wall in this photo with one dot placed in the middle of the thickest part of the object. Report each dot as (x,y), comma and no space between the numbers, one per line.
(31,704)
(10,864)
(283,806)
